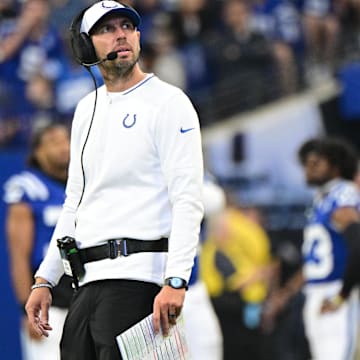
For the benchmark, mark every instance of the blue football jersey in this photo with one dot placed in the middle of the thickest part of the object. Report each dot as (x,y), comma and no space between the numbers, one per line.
(324,248)
(45,197)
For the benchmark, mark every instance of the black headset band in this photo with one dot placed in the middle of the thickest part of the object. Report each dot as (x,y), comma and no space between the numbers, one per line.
(81,43)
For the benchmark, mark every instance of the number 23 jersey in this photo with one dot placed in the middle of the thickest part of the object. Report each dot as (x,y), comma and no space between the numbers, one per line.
(324,248)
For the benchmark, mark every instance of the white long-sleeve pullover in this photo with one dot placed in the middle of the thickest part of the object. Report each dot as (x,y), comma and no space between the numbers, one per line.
(143,167)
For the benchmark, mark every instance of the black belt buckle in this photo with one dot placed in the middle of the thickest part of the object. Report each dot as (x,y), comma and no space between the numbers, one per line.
(117,247)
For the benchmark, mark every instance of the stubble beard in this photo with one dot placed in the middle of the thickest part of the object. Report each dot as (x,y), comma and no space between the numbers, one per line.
(119,70)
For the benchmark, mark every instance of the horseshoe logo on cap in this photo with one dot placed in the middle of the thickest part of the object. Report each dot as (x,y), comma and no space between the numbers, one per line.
(103,4)
(128,124)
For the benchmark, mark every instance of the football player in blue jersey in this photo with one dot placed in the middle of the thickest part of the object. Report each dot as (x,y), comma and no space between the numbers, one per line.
(331,248)
(34,199)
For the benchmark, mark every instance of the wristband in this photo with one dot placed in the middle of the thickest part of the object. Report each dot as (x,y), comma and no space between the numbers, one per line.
(42,285)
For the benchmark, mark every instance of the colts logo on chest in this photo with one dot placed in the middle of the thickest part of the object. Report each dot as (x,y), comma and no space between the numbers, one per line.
(129,121)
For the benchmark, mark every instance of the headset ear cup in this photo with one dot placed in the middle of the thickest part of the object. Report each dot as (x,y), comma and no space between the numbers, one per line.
(86,49)
(81,43)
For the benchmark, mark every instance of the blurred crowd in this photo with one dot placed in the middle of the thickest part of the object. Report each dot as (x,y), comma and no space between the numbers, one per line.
(227,55)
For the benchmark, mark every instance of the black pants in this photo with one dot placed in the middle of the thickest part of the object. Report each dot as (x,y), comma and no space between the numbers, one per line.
(99,312)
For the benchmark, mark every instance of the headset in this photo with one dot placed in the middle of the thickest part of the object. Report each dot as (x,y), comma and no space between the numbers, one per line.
(82,46)
(84,53)
(81,43)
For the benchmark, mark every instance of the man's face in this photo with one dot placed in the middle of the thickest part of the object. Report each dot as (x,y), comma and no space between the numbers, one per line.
(317,170)
(54,149)
(117,33)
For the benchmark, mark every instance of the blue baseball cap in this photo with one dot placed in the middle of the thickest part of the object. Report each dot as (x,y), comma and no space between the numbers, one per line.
(96,12)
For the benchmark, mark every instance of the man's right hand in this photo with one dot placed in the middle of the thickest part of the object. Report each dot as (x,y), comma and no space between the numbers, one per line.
(34,335)
(37,309)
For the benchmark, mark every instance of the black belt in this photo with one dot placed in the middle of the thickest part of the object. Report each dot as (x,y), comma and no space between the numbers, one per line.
(122,247)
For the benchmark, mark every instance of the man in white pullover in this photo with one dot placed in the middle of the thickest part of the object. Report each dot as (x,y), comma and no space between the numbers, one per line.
(133,197)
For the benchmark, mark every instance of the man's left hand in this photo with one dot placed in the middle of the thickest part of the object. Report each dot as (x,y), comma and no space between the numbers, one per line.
(167,307)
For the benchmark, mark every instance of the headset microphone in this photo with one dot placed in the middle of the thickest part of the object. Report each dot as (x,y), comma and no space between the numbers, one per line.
(109,57)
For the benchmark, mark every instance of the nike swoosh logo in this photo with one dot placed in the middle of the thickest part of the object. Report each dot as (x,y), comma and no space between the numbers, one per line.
(185,130)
